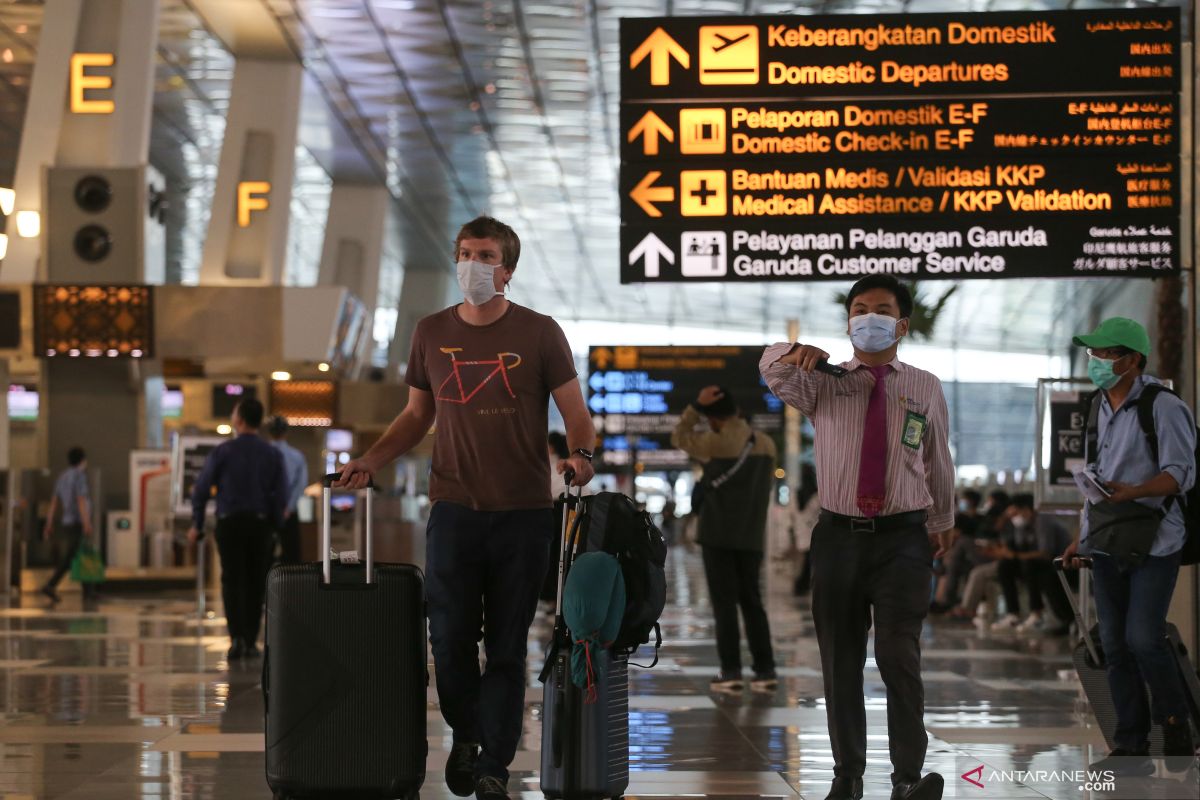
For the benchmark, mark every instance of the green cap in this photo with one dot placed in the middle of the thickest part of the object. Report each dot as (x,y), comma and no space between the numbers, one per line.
(1117,332)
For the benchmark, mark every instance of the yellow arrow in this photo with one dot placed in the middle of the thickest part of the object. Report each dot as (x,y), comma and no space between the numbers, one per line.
(661,48)
(644,194)
(651,127)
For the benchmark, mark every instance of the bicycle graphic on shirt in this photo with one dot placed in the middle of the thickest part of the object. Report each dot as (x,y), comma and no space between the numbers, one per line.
(499,366)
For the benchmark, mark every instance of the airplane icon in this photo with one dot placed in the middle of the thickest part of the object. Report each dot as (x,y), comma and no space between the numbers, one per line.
(727,42)
(729,54)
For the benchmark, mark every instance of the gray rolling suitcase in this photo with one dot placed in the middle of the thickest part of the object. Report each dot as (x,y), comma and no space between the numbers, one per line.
(585,746)
(1093,675)
(345,676)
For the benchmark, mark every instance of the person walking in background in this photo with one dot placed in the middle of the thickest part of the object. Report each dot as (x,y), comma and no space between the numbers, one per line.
(71,496)
(886,483)
(252,492)
(296,468)
(739,467)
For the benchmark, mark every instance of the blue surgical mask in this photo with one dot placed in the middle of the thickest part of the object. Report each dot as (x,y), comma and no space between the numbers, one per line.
(873,333)
(1100,370)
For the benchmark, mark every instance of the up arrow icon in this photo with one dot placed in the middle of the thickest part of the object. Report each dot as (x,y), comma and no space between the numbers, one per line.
(651,248)
(650,127)
(661,48)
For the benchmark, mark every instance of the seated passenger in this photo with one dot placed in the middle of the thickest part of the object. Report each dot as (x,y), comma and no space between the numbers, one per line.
(1031,542)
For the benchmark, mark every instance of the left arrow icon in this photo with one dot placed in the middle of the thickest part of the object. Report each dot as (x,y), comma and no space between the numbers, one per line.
(651,248)
(661,48)
(645,194)
(650,127)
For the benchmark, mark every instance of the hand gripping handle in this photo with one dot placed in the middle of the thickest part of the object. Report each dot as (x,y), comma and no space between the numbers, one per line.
(327,490)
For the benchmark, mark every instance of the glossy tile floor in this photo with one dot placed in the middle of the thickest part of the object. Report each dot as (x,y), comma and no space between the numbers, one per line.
(133,698)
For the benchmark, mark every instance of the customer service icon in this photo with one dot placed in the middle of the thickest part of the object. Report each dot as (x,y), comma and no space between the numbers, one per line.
(704,254)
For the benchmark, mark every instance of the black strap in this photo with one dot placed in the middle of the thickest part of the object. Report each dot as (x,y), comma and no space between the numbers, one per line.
(1144,407)
(657,645)
(720,480)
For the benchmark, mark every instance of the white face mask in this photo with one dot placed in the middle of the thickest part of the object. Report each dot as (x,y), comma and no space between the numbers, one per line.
(873,333)
(1020,523)
(476,281)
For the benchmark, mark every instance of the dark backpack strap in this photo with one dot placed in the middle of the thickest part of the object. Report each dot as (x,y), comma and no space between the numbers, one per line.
(657,645)
(1145,414)
(1091,430)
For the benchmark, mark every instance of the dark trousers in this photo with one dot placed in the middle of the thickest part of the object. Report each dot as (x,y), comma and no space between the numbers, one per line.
(1131,606)
(289,540)
(857,575)
(484,566)
(246,544)
(1040,579)
(71,537)
(734,578)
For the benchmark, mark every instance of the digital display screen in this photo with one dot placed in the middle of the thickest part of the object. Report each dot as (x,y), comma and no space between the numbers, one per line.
(226,396)
(172,402)
(636,395)
(23,403)
(952,146)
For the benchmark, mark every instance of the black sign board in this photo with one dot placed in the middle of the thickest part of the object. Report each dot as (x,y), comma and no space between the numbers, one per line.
(1068,417)
(636,395)
(1025,144)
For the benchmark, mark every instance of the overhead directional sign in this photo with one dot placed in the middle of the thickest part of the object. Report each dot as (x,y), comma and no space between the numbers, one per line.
(920,145)
(636,395)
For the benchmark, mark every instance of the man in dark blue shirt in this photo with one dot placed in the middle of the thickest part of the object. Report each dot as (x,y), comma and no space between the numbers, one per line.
(251,494)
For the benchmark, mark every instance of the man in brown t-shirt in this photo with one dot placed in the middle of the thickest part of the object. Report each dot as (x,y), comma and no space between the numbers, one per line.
(485,369)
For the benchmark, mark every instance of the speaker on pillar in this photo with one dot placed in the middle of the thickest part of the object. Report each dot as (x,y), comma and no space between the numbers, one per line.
(104,225)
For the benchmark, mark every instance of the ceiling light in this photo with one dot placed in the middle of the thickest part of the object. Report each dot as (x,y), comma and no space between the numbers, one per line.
(322,367)
(3,246)
(281,375)
(8,200)
(224,430)
(29,224)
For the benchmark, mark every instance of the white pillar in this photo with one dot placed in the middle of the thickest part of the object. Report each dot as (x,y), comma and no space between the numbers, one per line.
(247,240)
(55,135)
(354,241)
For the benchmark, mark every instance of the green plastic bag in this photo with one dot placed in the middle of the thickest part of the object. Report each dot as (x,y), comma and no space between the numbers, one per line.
(88,566)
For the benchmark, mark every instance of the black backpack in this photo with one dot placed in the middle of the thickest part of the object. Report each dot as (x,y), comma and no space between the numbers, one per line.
(612,523)
(1190,500)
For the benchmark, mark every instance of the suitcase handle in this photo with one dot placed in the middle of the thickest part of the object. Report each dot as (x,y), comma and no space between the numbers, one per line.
(327,491)
(1060,567)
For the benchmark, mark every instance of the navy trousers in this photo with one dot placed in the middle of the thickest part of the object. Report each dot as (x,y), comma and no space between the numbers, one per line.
(483,571)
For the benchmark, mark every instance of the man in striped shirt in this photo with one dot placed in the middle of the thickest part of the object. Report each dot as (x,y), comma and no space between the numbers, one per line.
(886,484)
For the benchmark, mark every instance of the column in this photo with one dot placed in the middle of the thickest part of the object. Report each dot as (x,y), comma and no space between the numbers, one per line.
(247,232)
(89,109)
(354,240)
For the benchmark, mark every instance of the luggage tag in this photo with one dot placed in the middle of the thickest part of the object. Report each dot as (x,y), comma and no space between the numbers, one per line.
(914,429)
(348,557)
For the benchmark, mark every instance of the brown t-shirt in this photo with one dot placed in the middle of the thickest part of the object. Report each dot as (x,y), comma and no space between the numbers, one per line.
(492,385)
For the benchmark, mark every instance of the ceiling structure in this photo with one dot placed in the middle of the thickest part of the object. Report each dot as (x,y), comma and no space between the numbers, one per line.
(506,107)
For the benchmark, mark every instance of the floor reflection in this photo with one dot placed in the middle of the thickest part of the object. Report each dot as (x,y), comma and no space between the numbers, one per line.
(133,698)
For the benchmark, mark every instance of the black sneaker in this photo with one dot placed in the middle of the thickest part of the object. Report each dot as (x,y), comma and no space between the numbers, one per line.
(460,768)
(1126,763)
(237,651)
(491,788)
(726,683)
(49,592)
(251,649)
(1178,747)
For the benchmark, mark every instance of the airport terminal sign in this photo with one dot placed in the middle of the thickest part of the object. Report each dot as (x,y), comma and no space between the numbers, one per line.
(636,395)
(937,145)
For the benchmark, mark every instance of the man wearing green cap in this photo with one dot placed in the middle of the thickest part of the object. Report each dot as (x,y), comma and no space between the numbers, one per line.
(1132,594)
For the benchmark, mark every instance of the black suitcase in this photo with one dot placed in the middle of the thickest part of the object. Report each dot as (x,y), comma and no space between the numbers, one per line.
(1093,675)
(585,746)
(345,676)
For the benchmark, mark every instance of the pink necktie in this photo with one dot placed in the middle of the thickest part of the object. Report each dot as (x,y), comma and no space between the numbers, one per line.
(872,468)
